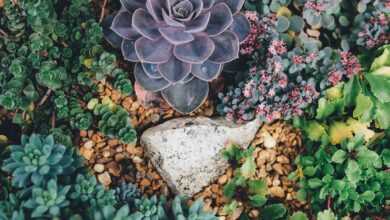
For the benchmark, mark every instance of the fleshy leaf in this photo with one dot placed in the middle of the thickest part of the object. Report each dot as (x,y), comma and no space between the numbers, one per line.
(314,130)
(132,5)
(241,27)
(199,24)
(174,70)
(195,52)
(248,169)
(207,4)
(188,78)
(145,24)
(128,51)
(151,70)
(380,83)
(220,20)
(176,36)
(156,52)
(111,37)
(338,132)
(150,84)
(383,115)
(227,48)
(155,8)
(234,5)
(186,97)
(206,71)
(121,25)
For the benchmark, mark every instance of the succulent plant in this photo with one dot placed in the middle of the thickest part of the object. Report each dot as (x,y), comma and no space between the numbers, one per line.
(87,191)
(109,212)
(121,82)
(126,193)
(371,26)
(115,122)
(180,45)
(47,201)
(152,208)
(319,13)
(182,212)
(287,82)
(37,160)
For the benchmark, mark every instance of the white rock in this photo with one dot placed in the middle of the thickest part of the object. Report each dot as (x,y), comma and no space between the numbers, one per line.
(188,151)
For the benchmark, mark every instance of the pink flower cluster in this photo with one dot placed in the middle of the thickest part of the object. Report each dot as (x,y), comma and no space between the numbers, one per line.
(277,47)
(369,29)
(350,63)
(316,6)
(351,67)
(257,29)
(335,77)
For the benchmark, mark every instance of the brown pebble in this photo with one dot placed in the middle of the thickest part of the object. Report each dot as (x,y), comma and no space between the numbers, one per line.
(113,168)
(278,168)
(89,144)
(283,159)
(104,178)
(112,142)
(106,153)
(222,180)
(100,145)
(277,191)
(119,157)
(86,153)
(97,138)
(98,168)
(145,183)
(214,188)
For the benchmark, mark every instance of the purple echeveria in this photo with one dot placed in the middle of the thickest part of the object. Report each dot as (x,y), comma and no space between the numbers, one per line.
(179,45)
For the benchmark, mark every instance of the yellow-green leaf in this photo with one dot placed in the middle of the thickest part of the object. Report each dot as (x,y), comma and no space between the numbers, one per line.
(338,132)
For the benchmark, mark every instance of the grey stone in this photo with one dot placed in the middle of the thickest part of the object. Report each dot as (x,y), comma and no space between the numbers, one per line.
(188,151)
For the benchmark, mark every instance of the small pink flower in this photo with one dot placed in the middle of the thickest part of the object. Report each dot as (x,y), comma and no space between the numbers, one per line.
(351,63)
(296,59)
(283,83)
(335,77)
(318,7)
(277,47)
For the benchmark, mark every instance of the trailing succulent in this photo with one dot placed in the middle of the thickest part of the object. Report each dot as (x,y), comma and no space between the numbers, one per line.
(50,61)
(179,45)
(114,121)
(350,177)
(37,160)
(287,82)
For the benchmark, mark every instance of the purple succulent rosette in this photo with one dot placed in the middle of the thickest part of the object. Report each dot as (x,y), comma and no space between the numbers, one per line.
(179,45)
